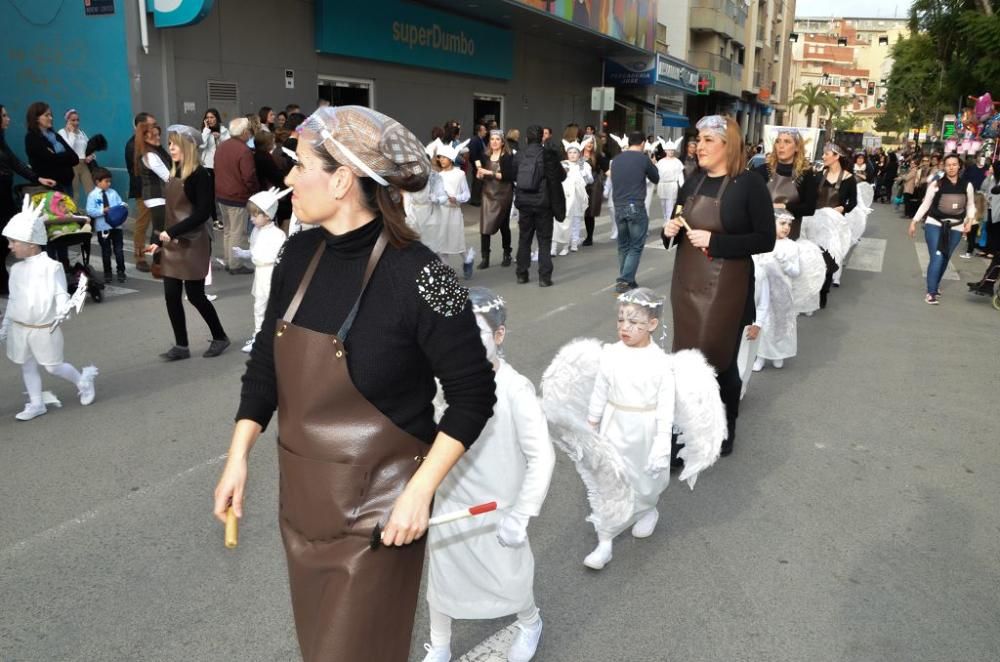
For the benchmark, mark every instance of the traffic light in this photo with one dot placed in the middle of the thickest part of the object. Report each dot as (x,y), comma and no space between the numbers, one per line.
(871,88)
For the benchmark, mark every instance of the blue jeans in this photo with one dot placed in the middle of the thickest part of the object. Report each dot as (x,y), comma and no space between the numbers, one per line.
(938,263)
(633,225)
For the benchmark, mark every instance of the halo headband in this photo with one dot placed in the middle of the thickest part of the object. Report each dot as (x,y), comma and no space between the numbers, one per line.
(783,215)
(490,305)
(642,297)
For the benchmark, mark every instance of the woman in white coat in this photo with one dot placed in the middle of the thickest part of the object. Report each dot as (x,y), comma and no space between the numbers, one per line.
(482,567)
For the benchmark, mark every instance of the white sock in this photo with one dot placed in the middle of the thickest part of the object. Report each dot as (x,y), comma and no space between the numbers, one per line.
(32,382)
(66,371)
(440,628)
(529,617)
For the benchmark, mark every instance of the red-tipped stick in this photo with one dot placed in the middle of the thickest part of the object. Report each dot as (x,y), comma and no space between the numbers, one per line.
(472,511)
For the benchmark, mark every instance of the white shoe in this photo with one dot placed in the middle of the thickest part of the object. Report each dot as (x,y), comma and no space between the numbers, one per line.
(211,297)
(31,411)
(810,313)
(248,346)
(564,251)
(437,653)
(552,251)
(778,363)
(966,256)
(574,248)
(614,232)
(86,385)
(525,642)
(758,365)
(599,558)
(534,256)
(645,525)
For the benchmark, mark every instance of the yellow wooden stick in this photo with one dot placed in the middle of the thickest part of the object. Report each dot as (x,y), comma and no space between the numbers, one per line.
(232,529)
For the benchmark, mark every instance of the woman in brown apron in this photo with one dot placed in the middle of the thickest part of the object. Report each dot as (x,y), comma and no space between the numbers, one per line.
(497,198)
(947,211)
(731,218)
(790,178)
(837,189)
(361,320)
(184,246)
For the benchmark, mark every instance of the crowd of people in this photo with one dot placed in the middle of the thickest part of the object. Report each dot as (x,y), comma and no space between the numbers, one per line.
(394,395)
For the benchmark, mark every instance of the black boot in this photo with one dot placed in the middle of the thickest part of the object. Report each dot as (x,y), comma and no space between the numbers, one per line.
(485,262)
(727,445)
(506,258)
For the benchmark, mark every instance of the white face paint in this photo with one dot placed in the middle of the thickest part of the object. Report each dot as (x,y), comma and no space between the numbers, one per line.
(487,336)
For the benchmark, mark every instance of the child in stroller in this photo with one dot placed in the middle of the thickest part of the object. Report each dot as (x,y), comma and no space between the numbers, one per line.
(65,229)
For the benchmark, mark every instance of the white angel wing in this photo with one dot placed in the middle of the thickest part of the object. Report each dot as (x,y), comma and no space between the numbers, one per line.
(812,273)
(828,229)
(698,413)
(782,306)
(566,387)
(857,218)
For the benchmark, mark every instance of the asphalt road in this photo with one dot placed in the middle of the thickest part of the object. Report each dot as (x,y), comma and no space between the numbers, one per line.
(857,519)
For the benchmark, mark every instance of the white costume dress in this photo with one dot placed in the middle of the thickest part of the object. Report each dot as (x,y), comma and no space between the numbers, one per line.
(578,176)
(37,292)
(445,229)
(812,274)
(633,398)
(265,244)
(671,180)
(471,576)
(779,334)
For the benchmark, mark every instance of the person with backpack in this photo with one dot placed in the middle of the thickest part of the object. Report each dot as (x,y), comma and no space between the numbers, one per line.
(629,172)
(538,176)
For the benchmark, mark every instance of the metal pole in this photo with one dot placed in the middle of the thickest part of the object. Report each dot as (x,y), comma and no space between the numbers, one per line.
(600,118)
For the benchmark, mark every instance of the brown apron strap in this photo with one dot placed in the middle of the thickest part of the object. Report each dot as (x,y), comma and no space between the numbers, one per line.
(293,307)
(373,259)
(722,189)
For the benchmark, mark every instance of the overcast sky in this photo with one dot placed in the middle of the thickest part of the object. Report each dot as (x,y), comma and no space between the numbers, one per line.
(859,8)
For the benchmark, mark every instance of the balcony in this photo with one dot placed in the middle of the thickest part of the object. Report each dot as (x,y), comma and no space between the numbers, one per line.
(757,78)
(725,17)
(779,10)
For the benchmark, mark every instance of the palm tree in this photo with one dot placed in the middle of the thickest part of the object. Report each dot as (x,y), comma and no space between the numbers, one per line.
(809,98)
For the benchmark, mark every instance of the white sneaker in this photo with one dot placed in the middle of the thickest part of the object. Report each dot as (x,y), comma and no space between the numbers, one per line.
(525,642)
(778,363)
(966,256)
(534,256)
(31,411)
(564,251)
(211,297)
(645,525)
(85,386)
(437,653)
(614,231)
(758,364)
(599,558)
(248,345)
(574,248)
(552,251)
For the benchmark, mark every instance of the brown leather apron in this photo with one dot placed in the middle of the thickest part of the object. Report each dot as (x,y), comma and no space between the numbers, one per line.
(188,255)
(498,195)
(342,465)
(829,194)
(784,191)
(708,297)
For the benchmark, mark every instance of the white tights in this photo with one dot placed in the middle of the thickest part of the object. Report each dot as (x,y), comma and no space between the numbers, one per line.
(441,624)
(33,377)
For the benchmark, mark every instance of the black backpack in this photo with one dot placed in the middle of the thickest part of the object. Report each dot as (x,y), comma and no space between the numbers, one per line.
(531,169)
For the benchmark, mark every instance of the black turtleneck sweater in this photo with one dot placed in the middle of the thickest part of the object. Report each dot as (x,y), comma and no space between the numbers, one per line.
(401,339)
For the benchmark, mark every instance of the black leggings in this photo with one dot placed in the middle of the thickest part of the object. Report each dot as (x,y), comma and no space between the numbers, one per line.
(173,290)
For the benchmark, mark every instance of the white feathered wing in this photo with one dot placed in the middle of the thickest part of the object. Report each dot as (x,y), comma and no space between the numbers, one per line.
(566,388)
(812,273)
(857,218)
(698,413)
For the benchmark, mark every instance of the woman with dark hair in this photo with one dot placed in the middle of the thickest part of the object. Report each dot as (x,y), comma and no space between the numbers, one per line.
(361,320)
(266,117)
(498,196)
(452,131)
(712,292)
(268,173)
(151,165)
(212,134)
(280,119)
(9,166)
(49,155)
(948,209)
(599,164)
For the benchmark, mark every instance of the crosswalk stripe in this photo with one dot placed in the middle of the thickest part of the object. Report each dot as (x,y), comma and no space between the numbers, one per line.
(924,259)
(868,255)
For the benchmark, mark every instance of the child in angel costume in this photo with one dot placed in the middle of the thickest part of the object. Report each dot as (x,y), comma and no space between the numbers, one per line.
(444,233)
(266,241)
(671,176)
(482,567)
(779,269)
(613,408)
(579,175)
(38,304)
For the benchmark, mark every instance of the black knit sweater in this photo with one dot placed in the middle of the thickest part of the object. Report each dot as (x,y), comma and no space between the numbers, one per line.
(403,337)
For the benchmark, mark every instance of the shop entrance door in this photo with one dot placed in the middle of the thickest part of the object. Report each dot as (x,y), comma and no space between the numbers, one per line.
(341,91)
(487,107)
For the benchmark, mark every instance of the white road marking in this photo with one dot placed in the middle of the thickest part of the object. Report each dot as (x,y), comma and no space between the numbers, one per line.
(868,255)
(115,291)
(924,259)
(555,311)
(59,530)
(493,649)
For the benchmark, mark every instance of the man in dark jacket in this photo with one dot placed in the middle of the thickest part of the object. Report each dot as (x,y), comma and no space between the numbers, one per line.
(235,182)
(629,172)
(538,178)
(477,153)
(141,234)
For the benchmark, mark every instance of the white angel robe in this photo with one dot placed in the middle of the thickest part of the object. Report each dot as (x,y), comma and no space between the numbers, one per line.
(37,292)
(578,175)
(779,334)
(748,348)
(445,230)
(265,244)
(633,398)
(812,274)
(671,180)
(472,576)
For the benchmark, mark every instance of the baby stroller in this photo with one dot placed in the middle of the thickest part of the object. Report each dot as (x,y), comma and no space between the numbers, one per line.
(66,229)
(989,286)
